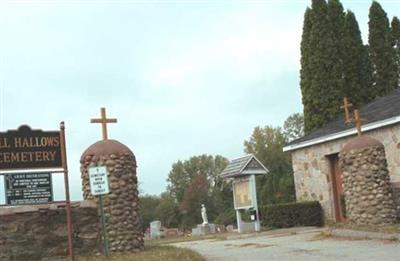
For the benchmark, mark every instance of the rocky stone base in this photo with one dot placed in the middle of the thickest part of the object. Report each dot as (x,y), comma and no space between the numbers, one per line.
(368,193)
(35,232)
(121,204)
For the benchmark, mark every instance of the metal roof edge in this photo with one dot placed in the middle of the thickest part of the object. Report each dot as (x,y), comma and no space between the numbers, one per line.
(341,134)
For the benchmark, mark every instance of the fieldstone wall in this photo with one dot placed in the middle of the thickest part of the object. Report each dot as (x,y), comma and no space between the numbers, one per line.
(367,190)
(35,232)
(312,174)
(121,204)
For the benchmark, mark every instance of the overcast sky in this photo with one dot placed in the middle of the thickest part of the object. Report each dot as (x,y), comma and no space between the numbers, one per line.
(183,78)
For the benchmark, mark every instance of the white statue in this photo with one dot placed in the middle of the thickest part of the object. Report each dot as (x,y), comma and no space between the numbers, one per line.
(204,214)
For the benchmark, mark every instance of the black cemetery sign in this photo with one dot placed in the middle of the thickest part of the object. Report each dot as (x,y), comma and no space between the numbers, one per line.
(29,149)
(28,188)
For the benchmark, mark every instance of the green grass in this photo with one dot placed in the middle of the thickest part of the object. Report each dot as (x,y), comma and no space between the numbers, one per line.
(151,253)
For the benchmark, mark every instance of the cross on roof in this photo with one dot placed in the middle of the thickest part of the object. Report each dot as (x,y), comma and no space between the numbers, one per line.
(346,105)
(103,120)
(358,121)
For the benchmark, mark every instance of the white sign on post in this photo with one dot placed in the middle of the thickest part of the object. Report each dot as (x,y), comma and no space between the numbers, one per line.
(98,181)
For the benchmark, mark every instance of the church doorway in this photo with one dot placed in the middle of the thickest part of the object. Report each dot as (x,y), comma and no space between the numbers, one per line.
(337,189)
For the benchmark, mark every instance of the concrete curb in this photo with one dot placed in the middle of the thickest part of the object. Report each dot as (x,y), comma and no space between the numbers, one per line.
(362,234)
(278,232)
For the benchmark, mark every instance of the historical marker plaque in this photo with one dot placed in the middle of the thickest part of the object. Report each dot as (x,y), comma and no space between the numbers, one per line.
(28,188)
(26,149)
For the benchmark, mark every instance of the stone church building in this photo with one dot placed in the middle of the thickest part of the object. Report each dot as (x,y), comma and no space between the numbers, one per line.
(315,157)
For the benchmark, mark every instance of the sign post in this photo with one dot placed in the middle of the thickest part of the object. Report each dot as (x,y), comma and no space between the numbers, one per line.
(98,187)
(66,185)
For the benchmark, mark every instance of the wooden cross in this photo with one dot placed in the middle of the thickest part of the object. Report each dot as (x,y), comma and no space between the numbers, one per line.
(103,122)
(358,121)
(346,105)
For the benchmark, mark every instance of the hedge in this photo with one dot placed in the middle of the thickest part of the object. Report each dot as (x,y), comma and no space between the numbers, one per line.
(292,214)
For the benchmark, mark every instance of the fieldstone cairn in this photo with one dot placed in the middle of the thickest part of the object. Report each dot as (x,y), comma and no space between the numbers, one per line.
(121,204)
(366,183)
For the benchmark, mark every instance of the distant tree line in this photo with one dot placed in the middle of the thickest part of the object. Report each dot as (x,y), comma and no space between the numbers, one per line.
(196,181)
(335,63)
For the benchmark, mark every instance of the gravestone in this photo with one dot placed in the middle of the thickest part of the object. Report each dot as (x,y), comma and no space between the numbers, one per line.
(172,232)
(220,228)
(212,228)
(230,228)
(155,229)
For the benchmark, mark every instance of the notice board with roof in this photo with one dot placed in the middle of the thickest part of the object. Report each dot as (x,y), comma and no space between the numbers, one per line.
(241,172)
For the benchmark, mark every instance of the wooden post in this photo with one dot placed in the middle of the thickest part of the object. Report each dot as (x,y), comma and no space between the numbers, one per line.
(346,105)
(103,226)
(67,197)
(358,120)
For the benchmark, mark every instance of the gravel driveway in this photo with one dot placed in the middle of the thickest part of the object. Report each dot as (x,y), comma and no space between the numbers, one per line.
(304,246)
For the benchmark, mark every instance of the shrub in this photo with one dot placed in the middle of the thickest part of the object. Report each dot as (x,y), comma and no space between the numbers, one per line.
(226,217)
(292,214)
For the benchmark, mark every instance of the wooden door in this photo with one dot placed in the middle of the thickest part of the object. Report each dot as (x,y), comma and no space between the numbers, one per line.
(337,188)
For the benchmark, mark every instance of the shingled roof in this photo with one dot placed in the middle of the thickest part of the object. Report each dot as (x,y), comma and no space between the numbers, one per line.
(243,166)
(383,111)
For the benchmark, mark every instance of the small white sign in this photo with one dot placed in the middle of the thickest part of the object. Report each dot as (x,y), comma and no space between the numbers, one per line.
(98,181)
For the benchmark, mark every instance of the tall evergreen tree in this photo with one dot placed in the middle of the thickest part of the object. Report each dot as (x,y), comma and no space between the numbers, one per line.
(325,91)
(305,72)
(336,19)
(366,73)
(385,77)
(356,74)
(395,35)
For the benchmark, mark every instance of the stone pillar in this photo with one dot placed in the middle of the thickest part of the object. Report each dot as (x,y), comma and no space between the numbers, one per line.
(121,204)
(366,183)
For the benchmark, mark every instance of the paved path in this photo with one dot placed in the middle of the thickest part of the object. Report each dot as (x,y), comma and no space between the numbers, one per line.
(307,246)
